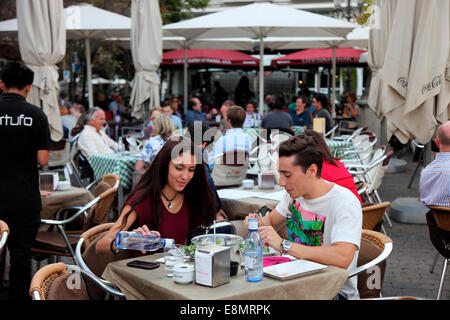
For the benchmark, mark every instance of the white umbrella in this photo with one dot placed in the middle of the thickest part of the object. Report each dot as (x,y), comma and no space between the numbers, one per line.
(84,21)
(42,43)
(146,49)
(259,21)
(414,67)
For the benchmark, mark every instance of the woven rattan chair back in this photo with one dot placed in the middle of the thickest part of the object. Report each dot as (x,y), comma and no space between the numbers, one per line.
(100,212)
(44,278)
(441,216)
(4,232)
(111,179)
(374,249)
(96,262)
(373,215)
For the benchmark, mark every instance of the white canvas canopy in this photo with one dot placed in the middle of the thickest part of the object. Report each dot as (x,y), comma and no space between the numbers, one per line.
(259,21)
(42,44)
(146,49)
(414,68)
(84,21)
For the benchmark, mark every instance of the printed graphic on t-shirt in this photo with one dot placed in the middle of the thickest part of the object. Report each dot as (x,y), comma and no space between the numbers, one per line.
(305,227)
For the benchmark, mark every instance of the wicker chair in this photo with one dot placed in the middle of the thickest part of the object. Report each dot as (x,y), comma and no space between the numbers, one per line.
(94,263)
(61,243)
(373,216)
(58,281)
(438,221)
(4,233)
(374,249)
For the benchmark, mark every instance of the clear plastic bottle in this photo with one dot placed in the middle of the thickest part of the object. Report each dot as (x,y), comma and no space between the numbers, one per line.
(126,240)
(121,146)
(253,253)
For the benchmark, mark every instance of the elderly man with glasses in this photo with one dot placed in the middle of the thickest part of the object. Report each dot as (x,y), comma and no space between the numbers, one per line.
(93,140)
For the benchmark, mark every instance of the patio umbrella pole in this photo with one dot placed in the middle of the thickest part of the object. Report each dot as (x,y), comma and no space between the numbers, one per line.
(333,81)
(261,75)
(87,47)
(185,79)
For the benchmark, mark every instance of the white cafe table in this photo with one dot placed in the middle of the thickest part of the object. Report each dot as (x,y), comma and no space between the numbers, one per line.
(239,202)
(140,284)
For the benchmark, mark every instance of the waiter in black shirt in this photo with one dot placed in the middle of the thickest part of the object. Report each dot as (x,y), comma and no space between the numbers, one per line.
(25,142)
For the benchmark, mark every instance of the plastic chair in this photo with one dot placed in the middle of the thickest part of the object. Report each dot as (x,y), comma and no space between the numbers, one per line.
(375,248)
(61,243)
(4,234)
(134,144)
(58,281)
(259,158)
(94,263)
(330,134)
(438,221)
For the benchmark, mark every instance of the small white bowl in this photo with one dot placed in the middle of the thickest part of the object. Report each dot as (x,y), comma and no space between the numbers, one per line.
(63,185)
(183,273)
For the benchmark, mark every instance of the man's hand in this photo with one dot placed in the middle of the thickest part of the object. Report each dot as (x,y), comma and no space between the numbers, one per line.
(253,216)
(270,237)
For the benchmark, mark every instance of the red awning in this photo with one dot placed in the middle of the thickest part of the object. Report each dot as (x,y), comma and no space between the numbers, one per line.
(209,57)
(320,57)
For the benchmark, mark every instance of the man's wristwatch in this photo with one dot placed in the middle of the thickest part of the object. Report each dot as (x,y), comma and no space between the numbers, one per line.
(285,246)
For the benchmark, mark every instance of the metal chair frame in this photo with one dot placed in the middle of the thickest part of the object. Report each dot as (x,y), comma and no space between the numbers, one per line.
(107,286)
(60,224)
(446,261)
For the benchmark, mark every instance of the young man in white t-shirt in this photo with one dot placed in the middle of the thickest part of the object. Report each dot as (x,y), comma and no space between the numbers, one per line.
(323,220)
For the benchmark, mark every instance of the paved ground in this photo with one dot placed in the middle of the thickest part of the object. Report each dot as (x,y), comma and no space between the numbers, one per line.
(408,266)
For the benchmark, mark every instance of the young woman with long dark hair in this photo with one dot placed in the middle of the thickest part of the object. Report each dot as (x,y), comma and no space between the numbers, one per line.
(171,198)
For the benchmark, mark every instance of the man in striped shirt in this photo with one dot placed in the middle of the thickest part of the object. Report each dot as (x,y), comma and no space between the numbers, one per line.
(434,185)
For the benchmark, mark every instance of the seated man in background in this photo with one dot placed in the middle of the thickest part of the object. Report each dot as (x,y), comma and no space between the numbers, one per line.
(168,111)
(320,103)
(234,139)
(434,185)
(93,140)
(252,119)
(278,119)
(195,113)
(300,115)
(323,219)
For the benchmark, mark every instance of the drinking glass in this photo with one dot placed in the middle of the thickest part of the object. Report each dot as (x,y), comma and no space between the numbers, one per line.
(173,255)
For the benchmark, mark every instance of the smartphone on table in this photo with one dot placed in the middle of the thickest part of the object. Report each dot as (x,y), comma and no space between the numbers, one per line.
(143,264)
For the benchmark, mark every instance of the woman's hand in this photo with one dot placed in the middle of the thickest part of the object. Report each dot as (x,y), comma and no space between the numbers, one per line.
(145,231)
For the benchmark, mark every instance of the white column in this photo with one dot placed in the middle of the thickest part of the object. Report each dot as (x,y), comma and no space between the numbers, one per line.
(87,47)
(261,75)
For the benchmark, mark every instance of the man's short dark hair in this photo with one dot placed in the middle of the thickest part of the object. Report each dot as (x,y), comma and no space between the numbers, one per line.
(236,115)
(306,152)
(191,104)
(320,97)
(253,103)
(304,99)
(16,75)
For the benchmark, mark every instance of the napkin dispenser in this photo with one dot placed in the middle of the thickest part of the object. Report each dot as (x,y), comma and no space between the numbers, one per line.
(212,265)
(266,180)
(48,181)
